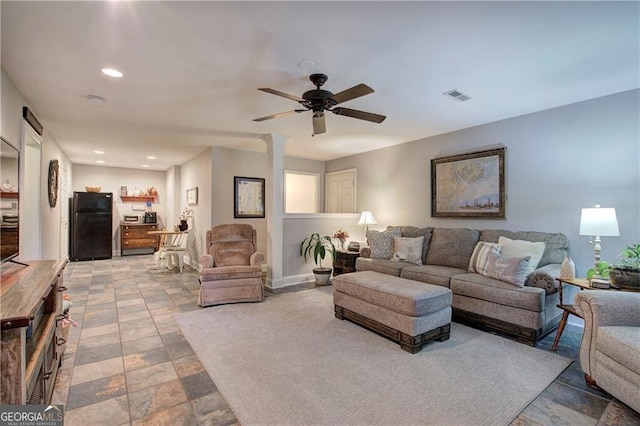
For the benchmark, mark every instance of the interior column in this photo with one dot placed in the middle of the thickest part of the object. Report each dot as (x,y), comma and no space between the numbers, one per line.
(274,209)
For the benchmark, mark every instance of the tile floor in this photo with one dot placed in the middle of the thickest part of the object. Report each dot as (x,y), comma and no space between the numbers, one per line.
(128,363)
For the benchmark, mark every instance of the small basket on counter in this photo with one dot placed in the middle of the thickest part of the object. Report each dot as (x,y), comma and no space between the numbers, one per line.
(93,188)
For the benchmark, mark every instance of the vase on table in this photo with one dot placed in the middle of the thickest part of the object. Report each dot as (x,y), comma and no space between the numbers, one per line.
(342,243)
(183,225)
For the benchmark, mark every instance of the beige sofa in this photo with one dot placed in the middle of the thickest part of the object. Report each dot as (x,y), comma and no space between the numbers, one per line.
(610,349)
(526,313)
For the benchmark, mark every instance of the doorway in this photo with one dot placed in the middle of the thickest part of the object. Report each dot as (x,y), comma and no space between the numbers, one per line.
(30,222)
(340,191)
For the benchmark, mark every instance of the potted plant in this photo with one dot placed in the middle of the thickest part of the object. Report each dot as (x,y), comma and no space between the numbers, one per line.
(625,273)
(318,247)
(602,270)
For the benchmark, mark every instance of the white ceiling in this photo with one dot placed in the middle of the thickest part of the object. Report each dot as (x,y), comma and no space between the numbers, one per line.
(192,69)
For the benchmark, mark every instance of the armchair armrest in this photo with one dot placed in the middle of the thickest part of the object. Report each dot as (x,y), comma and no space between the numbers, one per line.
(256,259)
(603,308)
(206,260)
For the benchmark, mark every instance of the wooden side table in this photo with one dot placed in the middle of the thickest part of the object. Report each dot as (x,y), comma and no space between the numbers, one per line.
(345,262)
(582,284)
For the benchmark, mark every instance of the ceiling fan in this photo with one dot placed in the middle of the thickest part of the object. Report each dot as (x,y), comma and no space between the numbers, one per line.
(319,101)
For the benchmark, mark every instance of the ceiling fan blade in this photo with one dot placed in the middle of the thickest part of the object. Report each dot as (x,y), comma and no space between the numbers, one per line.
(354,92)
(354,113)
(278,115)
(319,124)
(279,93)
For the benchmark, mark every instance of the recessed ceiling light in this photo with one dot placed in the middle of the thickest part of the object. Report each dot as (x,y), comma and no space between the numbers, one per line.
(94,99)
(99,152)
(112,72)
(144,165)
(151,157)
(99,161)
(457,95)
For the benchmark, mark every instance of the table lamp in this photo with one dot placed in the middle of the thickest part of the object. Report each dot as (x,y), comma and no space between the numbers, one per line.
(601,222)
(366,219)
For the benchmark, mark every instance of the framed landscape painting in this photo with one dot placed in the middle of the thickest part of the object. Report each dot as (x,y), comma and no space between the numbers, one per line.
(469,185)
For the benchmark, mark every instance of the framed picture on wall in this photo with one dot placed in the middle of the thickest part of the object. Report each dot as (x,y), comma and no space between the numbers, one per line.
(469,185)
(249,196)
(192,196)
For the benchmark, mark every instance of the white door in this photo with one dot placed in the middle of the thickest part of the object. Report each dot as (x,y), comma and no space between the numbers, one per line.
(30,165)
(340,192)
(63,199)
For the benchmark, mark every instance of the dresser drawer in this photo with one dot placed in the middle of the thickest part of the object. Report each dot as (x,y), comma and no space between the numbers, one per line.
(139,243)
(136,233)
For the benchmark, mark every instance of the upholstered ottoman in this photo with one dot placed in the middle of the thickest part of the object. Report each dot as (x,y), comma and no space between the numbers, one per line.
(408,312)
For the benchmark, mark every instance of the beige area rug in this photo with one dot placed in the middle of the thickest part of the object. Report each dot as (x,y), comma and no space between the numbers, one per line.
(289,361)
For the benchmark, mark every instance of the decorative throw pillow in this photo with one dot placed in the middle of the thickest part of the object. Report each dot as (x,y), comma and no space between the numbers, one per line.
(480,257)
(508,269)
(381,243)
(407,249)
(521,248)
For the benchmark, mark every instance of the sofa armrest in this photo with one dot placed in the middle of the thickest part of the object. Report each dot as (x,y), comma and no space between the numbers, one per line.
(256,259)
(603,308)
(545,278)
(365,251)
(206,260)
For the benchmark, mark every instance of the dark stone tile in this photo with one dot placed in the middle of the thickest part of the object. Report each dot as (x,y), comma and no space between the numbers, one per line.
(94,391)
(100,353)
(618,414)
(146,358)
(583,402)
(179,350)
(213,410)
(173,337)
(198,385)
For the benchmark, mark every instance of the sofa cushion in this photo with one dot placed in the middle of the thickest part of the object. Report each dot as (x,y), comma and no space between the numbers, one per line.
(414,232)
(452,247)
(556,244)
(381,243)
(407,249)
(512,270)
(622,344)
(383,266)
(522,248)
(431,274)
(500,292)
(230,273)
(480,257)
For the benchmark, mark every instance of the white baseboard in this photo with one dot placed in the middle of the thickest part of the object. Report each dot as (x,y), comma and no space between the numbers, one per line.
(290,280)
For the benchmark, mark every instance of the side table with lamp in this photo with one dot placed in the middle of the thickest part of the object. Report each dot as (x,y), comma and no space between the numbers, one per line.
(596,222)
(366,219)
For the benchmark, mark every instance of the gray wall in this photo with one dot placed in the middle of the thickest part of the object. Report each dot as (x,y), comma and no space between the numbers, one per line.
(558,161)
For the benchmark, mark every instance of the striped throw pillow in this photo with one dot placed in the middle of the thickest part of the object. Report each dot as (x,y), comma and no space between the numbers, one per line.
(480,257)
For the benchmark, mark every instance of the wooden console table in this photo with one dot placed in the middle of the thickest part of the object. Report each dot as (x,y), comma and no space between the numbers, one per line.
(32,343)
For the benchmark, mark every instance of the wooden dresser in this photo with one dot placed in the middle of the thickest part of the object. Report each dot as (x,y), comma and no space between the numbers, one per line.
(134,238)
(31,327)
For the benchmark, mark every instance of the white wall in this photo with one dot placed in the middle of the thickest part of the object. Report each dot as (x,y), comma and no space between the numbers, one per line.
(12,103)
(557,162)
(110,179)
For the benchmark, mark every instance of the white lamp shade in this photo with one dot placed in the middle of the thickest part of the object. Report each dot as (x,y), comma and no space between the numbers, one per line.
(366,218)
(599,221)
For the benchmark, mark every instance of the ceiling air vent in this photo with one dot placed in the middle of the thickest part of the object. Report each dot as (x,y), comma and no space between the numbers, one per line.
(457,95)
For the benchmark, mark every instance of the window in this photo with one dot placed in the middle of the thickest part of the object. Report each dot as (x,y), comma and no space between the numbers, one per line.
(301,192)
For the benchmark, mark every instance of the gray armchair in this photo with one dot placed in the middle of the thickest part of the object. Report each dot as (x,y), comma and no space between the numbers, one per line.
(231,268)
(610,348)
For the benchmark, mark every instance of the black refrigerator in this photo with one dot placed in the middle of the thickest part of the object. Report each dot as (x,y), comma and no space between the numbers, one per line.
(91,225)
